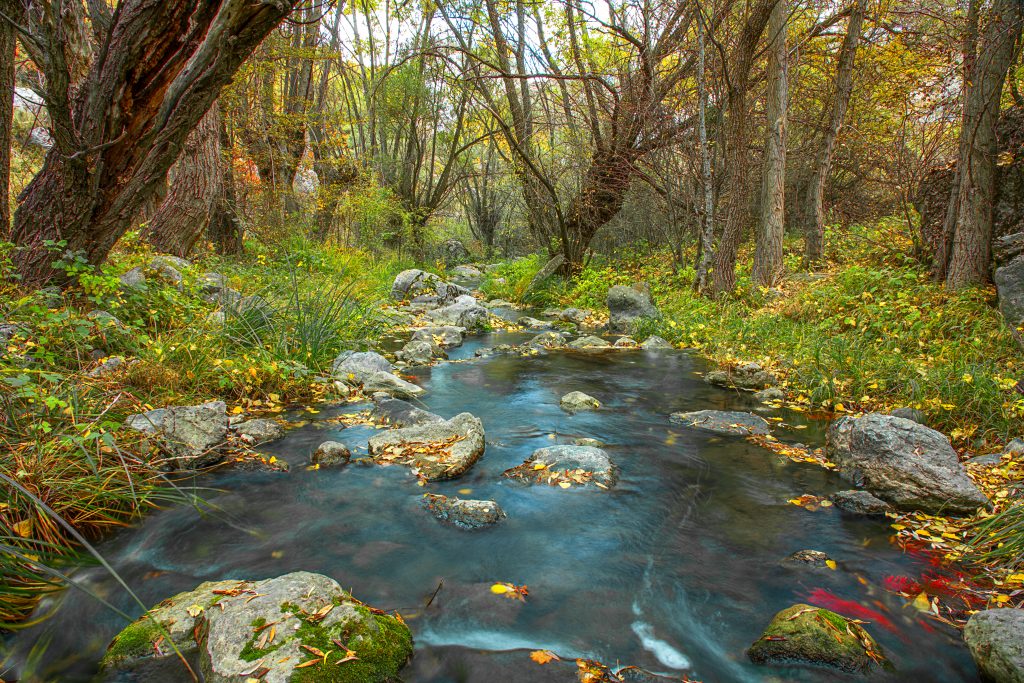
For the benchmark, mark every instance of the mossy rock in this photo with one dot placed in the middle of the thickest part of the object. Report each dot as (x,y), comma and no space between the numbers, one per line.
(143,645)
(294,628)
(803,634)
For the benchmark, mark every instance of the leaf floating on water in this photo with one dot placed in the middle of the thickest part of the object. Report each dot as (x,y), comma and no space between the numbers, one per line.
(510,590)
(831,564)
(543,656)
(922,603)
(564,484)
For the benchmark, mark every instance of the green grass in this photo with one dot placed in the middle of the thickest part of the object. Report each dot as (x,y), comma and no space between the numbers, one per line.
(60,430)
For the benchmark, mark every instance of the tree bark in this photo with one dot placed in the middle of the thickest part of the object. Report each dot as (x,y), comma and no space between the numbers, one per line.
(813,213)
(225,227)
(8,43)
(163,65)
(194,186)
(707,236)
(768,266)
(971,252)
(737,133)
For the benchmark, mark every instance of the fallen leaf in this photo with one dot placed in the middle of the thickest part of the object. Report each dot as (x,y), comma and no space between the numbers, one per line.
(543,656)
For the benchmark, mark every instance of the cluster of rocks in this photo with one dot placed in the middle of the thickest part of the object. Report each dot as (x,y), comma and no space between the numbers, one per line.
(195,437)
(371,372)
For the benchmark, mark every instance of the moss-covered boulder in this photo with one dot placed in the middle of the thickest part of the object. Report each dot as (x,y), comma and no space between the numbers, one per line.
(293,628)
(803,634)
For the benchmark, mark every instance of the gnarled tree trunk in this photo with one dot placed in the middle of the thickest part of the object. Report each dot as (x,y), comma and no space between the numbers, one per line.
(162,66)
(194,186)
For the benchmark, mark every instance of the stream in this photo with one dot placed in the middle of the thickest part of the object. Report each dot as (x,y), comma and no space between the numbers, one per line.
(676,570)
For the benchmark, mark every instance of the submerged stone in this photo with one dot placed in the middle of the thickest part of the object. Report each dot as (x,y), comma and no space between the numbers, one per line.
(330,453)
(466,514)
(729,423)
(808,558)
(860,502)
(803,634)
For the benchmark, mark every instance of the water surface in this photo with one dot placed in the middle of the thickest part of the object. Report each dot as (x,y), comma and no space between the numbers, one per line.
(676,570)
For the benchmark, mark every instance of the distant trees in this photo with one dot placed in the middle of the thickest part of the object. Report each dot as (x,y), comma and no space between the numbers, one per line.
(123,91)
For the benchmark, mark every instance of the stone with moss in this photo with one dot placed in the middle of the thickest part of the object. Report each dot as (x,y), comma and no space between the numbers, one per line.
(294,628)
(144,645)
(808,635)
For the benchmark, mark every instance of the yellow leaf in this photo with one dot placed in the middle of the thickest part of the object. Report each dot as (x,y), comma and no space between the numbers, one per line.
(539,465)
(500,589)
(922,603)
(542,656)
(465,492)
(831,564)
(564,484)
(825,503)
(23,528)
(195,610)
(236,410)
(1002,598)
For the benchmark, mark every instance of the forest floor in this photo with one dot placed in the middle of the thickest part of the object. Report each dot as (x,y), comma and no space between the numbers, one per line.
(864,334)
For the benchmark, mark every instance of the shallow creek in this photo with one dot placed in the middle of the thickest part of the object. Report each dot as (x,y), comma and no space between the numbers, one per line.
(676,570)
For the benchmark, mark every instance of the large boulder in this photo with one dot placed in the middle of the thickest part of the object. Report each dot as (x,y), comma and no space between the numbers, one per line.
(192,435)
(748,376)
(387,383)
(1009,281)
(330,453)
(259,431)
(576,401)
(731,423)
(239,630)
(398,413)
(412,282)
(995,638)
(903,463)
(466,272)
(567,466)
(418,352)
(435,450)
(464,312)
(357,367)
(589,342)
(803,634)
(860,502)
(628,305)
(454,252)
(465,514)
(445,336)
(544,273)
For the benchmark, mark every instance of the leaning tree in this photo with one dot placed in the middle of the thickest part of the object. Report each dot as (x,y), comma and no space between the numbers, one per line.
(124,87)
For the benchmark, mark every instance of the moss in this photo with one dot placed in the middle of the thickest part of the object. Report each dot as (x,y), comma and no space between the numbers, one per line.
(136,640)
(251,652)
(803,634)
(382,652)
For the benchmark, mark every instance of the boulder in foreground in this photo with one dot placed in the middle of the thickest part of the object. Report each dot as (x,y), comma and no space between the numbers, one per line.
(995,638)
(269,630)
(904,463)
(803,634)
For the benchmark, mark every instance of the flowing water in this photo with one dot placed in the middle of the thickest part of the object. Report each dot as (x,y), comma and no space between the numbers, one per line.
(676,570)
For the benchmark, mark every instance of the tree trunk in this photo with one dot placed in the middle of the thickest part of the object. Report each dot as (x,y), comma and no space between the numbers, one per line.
(971,252)
(813,213)
(225,228)
(737,141)
(164,64)
(768,267)
(195,185)
(8,43)
(707,235)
